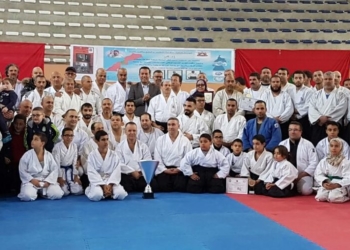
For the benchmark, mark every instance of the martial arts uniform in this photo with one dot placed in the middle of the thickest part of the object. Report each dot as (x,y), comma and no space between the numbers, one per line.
(106,122)
(102,93)
(341,175)
(306,161)
(236,163)
(88,147)
(169,154)
(65,102)
(30,168)
(181,97)
(282,174)
(334,106)
(279,106)
(231,129)
(194,125)
(290,89)
(104,172)
(207,117)
(94,99)
(35,97)
(250,93)
(114,143)
(51,90)
(322,149)
(206,166)
(117,94)
(87,128)
(223,150)
(130,163)
(150,138)
(220,100)
(56,119)
(161,110)
(301,104)
(270,129)
(136,120)
(66,159)
(80,138)
(255,168)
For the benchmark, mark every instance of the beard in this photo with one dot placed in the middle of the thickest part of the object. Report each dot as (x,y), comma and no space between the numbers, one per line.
(265,79)
(276,89)
(188,112)
(87,117)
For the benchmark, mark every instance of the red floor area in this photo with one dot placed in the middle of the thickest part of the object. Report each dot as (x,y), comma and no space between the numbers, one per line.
(328,225)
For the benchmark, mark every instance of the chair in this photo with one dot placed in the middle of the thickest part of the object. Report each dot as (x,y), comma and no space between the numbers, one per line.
(264,41)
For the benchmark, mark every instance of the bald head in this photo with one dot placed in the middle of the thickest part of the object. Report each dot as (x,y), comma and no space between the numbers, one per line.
(122,75)
(56,80)
(329,74)
(47,98)
(337,78)
(25,108)
(86,83)
(37,71)
(101,75)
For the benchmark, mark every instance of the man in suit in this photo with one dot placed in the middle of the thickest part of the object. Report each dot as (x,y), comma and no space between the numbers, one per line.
(143,91)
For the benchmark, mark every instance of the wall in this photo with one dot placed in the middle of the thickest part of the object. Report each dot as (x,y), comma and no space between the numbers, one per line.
(49,68)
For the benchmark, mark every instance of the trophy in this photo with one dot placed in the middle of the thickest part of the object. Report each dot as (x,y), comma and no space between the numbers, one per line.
(148,168)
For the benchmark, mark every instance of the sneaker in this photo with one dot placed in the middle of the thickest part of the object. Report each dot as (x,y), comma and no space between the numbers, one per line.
(7,139)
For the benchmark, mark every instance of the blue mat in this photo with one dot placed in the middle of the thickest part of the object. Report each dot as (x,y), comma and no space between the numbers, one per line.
(171,221)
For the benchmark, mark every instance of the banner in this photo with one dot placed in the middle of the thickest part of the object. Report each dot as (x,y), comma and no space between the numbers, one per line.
(253,60)
(186,62)
(25,55)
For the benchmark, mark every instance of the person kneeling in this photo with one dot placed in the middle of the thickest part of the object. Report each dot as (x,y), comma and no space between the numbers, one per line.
(278,182)
(104,172)
(206,167)
(66,155)
(333,174)
(38,172)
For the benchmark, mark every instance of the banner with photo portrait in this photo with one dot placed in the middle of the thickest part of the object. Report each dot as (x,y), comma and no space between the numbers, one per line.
(186,62)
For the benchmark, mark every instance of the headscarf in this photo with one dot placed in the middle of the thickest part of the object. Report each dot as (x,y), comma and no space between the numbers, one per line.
(205,85)
(337,159)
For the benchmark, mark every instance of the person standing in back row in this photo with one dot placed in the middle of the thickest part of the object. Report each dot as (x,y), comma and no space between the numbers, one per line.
(142,92)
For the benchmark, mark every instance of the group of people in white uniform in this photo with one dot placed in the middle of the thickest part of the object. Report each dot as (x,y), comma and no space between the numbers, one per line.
(97,147)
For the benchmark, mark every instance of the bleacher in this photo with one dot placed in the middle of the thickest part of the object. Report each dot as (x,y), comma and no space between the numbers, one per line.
(294,24)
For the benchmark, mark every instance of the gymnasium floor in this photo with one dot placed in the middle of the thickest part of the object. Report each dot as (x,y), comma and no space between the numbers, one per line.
(174,221)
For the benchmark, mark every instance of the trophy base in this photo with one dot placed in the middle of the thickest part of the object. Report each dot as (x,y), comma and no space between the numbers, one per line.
(148,196)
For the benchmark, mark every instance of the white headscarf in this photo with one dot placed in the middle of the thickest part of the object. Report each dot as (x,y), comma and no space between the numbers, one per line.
(335,160)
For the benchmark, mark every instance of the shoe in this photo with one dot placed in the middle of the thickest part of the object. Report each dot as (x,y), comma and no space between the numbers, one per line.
(7,139)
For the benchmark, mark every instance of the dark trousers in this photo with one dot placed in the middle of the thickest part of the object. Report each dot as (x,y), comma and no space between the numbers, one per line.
(84,181)
(130,184)
(317,133)
(306,127)
(345,135)
(3,125)
(274,191)
(164,125)
(207,183)
(172,182)
(284,130)
(10,183)
(233,174)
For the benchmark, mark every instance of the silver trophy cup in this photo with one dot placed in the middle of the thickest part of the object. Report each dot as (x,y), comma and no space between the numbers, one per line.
(148,168)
